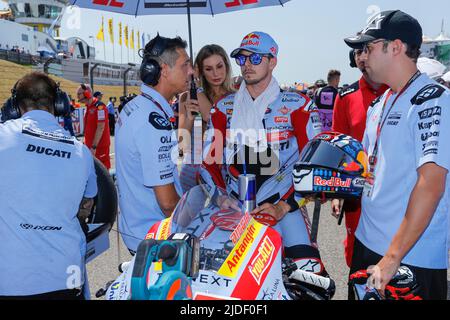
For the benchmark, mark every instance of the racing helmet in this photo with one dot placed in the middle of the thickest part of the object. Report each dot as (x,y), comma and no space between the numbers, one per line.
(332,165)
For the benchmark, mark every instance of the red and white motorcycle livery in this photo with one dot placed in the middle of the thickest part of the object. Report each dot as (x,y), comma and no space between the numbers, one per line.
(237,258)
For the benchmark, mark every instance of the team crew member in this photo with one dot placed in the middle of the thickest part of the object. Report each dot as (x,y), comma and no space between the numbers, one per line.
(42,242)
(325,98)
(111,115)
(96,126)
(275,125)
(405,205)
(146,142)
(349,117)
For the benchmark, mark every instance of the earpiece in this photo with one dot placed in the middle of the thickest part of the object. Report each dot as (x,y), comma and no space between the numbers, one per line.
(87,94)
(11,110)
(150,71)
(62,103)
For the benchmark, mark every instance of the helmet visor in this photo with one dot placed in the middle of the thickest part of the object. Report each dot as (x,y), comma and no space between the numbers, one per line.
(320,153)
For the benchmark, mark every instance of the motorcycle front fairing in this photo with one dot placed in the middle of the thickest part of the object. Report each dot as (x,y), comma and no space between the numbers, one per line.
(239,257)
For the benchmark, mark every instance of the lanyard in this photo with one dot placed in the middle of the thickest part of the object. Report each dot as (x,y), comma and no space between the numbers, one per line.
(170,119)
(382,121)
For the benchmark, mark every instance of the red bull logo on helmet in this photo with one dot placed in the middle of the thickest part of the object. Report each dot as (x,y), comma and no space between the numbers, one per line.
(332,182)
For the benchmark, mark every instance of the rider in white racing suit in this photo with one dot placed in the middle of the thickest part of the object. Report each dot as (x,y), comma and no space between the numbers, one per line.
(290,121)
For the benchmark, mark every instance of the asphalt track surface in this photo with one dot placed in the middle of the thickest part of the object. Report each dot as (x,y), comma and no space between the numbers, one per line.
(330,238)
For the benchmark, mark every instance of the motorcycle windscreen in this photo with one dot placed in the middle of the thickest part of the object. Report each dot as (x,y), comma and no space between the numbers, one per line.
(198,214)
(319,153)
(189,207)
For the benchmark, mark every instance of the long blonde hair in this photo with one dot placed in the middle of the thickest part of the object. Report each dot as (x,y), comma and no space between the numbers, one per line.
(206,52)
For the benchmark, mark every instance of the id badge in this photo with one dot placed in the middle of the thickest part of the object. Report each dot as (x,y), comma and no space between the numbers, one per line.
(370,179)
(368,185)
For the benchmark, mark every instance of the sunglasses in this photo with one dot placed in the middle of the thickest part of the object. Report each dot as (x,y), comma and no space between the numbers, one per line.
(255,59)
(367,49)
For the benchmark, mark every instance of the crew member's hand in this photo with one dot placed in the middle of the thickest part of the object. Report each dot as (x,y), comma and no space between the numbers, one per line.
(277,211)
(382,274)
(336,208)
(192,106)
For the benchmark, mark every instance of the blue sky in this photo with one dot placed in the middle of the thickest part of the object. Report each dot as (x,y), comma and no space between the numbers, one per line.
(309,33)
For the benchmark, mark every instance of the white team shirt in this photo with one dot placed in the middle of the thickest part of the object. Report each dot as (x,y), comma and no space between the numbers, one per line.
(146,157)
(44,174)
(416,132)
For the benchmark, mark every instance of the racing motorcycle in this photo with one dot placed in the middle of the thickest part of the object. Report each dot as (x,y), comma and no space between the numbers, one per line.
(208,251)
(204,252)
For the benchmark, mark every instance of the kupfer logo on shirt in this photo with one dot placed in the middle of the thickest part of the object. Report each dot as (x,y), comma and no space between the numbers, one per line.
(159,122)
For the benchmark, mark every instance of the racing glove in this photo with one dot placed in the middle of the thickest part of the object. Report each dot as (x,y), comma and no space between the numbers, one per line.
(403,285)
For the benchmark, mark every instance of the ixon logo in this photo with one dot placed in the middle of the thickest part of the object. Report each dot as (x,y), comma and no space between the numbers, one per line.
(27,226)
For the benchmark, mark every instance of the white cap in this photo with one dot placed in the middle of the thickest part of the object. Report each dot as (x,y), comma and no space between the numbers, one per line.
(433,68)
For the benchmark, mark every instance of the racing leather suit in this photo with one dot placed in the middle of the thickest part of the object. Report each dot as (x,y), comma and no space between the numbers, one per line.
(290,122)
(97,113)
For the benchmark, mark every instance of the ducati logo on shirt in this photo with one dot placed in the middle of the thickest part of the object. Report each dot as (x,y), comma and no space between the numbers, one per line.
(159,122)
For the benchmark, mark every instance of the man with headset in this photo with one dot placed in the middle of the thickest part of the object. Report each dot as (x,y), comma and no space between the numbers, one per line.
(146,143)
(96,124)
(42,243)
